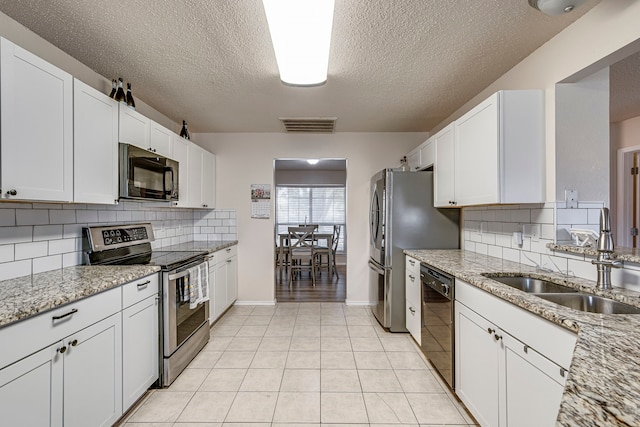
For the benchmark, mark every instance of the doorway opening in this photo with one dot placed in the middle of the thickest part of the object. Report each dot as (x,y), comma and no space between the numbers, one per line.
(628,197)
(310,193)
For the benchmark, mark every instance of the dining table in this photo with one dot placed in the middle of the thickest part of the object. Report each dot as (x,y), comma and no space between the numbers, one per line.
(284,242)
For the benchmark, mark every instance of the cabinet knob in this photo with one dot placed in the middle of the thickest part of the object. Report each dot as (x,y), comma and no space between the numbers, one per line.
(497,337)
(73,343)
(412,310)
(62,349)
(491,331)
(412,277)
(526,348)
(228,260)
(563,372)
(12,193)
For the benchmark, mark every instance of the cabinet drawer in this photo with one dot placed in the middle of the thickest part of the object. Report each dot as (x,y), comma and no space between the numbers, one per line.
(138,290)
(413,322)
(28,336)
(222,255)
(412,284)
(413,265)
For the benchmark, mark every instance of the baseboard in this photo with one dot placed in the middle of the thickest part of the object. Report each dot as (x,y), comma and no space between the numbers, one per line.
(353,302)
(255,302)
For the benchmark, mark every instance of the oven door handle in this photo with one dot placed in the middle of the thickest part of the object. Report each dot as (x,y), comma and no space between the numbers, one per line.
(375,268)
(176,276)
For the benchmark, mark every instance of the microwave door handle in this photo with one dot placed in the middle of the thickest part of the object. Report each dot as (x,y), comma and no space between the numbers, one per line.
(170,191)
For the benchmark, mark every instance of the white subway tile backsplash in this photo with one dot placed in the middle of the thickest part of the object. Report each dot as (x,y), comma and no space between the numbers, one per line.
(504,240)
(9,270)
(32,216)
(72,258)
(123,216)
(62,246)
(48,263)
(511,254)
(10,235)
(106,216)
(7,217)
(31,250)
(495,251)
(62,217)
(581,269)
(593,216)
(521,215)
(47,232)
(542,216)
(555,263)
(6,253)
(572,216)
(87,216)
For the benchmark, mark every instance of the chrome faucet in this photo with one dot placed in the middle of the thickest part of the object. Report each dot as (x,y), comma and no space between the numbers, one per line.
(605,249)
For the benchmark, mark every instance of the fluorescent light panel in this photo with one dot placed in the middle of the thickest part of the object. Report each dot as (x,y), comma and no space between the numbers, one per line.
(301,36)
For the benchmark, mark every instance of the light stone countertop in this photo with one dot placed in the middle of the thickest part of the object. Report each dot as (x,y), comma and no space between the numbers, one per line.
(205,246)
(619,253)
(28,296)
(603,386)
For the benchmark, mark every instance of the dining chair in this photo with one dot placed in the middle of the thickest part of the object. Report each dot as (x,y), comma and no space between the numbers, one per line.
(281,256)
(324,250)
(302,252)
(315,226)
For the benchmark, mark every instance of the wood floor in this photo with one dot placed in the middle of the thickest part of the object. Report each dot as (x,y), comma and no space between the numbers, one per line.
(302,289)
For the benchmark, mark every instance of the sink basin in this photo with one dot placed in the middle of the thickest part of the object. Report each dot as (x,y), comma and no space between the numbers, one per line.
(590,303)
(534,286)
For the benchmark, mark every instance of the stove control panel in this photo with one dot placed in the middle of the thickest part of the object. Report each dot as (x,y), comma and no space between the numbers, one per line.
(118,236)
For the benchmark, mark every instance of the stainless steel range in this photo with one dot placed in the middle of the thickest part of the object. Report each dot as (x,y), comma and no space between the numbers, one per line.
(184,326)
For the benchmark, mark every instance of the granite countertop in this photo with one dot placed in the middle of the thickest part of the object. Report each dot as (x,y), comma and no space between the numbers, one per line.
(619,253)
(603,386)
(205,246)
(28,296)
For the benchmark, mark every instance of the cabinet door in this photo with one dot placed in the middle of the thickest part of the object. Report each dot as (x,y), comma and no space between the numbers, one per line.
(220,288)
(413,323)
(140,349)
(36,127)
(31,390)
(212,288)
(444,168)
(181,155)
(95,146)
(477,162)
(208,179)
(160,139)
(134,128)
(534,386)
(232,280)
(477,366)
(93,375)
(195,176)
(413,160)
(427,154)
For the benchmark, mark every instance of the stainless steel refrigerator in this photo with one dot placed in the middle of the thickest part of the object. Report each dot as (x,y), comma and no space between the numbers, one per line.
(402,217)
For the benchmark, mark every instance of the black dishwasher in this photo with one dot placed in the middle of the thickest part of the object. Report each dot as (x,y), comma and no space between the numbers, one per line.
(437,320)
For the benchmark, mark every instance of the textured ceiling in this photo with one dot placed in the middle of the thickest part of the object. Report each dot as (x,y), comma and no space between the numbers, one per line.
(402,65)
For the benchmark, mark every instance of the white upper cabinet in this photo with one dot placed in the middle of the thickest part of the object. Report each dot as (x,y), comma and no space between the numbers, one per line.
(200,177)
(422,156)
(36,127)
(413,159)
(444,168)
(208,179)
(160,140)
(499,150)
(95,151)
(180,152)
(134,127)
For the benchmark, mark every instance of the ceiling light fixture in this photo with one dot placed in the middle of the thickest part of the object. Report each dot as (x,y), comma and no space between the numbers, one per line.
(556,7)
(312,161)
(301,37)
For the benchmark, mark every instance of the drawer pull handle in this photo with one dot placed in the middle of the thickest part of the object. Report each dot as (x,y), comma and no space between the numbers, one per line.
(228,260)
(412,263)
(228,250)
(62,316)
(526,348)
(412,277)
(412,310)
(497,337)
(62,349)
(563,372)
(73,343)
(143,284)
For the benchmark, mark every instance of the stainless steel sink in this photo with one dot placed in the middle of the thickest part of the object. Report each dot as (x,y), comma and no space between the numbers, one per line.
(590,303)
(534,286)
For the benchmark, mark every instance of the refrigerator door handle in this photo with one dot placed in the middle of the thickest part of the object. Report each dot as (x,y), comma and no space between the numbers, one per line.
(375,268)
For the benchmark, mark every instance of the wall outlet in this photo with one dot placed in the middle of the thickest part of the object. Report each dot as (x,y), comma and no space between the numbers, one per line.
(517,238)
(571,198)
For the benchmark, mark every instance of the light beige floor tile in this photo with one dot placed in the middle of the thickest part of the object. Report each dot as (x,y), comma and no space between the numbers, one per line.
(225,330)
(162,407)
(223,380)
(338,380)
(206,359)
(303,380)
(303,360)
(252,331)
(296,425)
(246,425)
(241,309)
(358,321)
(432,408)
(252,407)
(335,344)
(379,380)
(397,343)
(153,425)
(305,344)
(362,331)
(418,381)
(352,310)
(239,343)
(296,407)
(264,311)
(288,311)
(262,380)
(190,379)
(337,360)
(235,359)
(269,359)
(302,330)
(329,320)
(406,360)
(308,320)
(366,344)
(232,319)
(344,408)
(333,331)
(371,360)
(257,320)
(275,344)
(284,321)
(207,406)
(392,408)
(279,331)
(217,343)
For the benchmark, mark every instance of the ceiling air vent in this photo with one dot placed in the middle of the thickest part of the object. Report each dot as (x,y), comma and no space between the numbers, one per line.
(309,124)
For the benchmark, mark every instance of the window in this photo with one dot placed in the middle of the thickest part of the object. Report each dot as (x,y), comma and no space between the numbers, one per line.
(324,206)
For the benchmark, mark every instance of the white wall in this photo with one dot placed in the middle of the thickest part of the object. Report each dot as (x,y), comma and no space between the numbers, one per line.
(243,159)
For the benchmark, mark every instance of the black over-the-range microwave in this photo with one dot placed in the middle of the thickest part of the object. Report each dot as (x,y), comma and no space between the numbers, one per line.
(145,175)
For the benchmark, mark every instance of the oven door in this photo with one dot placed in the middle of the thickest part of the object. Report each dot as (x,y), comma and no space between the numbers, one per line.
(180,321)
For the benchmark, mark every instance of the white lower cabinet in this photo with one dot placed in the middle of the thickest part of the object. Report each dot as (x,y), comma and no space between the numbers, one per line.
(223,281)
(413,297)
(511,370)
